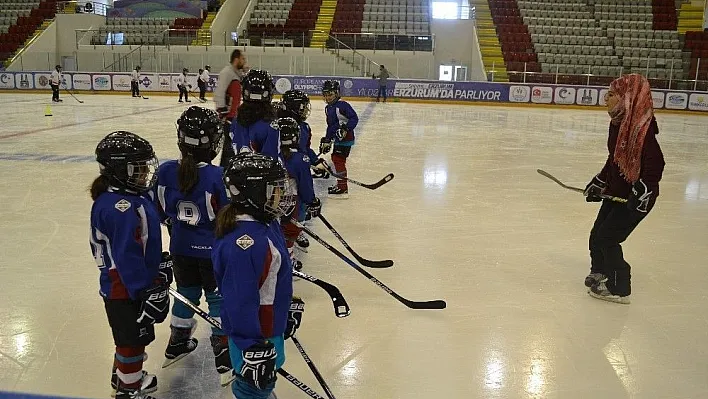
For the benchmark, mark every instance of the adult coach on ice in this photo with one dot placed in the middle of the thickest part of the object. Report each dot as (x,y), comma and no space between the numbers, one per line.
(227,98)
(633,170)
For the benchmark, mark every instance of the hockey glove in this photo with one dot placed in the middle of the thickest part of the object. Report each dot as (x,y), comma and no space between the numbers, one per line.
(223,112)
(166,268)
(341,133)
(314,208)
(297,307)
(325,145)
(640,197)
(155,304)
(259,364)
(594,189)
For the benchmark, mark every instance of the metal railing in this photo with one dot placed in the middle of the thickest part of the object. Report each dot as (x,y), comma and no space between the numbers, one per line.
(82,7)
(671,78)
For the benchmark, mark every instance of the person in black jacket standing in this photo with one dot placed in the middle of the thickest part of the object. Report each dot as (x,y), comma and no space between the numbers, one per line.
(633,170)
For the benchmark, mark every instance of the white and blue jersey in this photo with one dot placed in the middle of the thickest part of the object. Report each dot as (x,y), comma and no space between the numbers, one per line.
(126,242)
(192,214)
(298,167)
(337,114)
(254,274)
(259,137)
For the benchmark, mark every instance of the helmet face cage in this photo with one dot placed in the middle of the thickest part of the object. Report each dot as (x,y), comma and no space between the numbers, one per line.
(305,112)
(142,175)
(280,198)
(289,131)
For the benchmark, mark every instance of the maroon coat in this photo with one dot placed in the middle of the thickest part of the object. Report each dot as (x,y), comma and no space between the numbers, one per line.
(652,165)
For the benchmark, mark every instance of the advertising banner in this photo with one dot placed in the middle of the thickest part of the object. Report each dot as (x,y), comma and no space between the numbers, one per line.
(24,81)
(541,95)
(101,82)
(658,98)
(121,82)
(676,100)
(41,80)
(82,81)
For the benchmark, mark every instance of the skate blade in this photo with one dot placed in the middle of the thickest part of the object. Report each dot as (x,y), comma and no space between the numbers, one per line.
(615,299)
(227,378)
(301,249)
(168,362)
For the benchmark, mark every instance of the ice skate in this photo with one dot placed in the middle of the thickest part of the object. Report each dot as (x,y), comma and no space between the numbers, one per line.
(222,360)
(600,291)
(337,193)
(148,385)
(181,344)
(593,278)
(302,242)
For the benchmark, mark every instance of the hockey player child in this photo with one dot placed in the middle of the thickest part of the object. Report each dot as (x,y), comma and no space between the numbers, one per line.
(341,121)
(183,85)
(633,170)
(252,130)
(298,166)
(203,81)
(135,82)
(296,104)
(190,192)
(127,245)
(54,81)
(254,273)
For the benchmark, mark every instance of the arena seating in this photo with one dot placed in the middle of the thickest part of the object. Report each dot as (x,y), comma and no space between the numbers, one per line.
(697,44)
(572,39)
(392,23)
(149,30)
(18,21)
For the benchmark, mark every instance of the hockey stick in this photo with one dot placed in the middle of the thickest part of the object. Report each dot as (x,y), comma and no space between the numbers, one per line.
(341,307)
(578,189)
(372,186)
(313,368)
(436,304)
(72,94)
(300,385)
(377,264)
(215,323)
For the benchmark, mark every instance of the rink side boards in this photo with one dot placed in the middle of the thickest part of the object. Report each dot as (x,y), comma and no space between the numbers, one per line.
(354,88)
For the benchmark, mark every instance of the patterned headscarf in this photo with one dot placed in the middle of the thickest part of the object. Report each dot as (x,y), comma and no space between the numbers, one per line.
(634,112)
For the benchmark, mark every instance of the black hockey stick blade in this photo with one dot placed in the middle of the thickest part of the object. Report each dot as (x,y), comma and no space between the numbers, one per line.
(375,264)
(300,385)
(372,186)
(341,307)
(578,189)
(436,304)
(72,94)
(215,323)
(313,368)
(145,98)
(560,183)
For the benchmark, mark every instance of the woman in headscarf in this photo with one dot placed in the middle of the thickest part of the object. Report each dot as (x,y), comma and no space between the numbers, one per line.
(633,170)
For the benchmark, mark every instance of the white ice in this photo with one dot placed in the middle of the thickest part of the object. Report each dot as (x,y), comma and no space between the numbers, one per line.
(466,219)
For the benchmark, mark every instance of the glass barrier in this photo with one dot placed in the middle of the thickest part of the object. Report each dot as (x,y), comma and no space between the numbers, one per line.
(82,7)
(355,41)
(671,74)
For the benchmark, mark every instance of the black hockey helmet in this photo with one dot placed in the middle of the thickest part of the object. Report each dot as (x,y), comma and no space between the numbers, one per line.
(57,67)
(296,104)
(137,68)
(128,161)
(257,86)
(331,87)
(289,132)
(199,133)
(207,67)
(259,184)
(185,70)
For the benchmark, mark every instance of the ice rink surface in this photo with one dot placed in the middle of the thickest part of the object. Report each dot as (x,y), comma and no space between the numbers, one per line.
(466,219)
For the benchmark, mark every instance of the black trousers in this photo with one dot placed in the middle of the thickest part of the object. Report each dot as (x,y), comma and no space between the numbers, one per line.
(614,223)
(202,89)
(55,92)
(194,272)
(122,317)
(135,89)
(227,150)
(183,92)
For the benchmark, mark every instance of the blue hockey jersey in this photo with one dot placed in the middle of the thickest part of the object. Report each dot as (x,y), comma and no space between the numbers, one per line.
(260,137)
(192,214)
(126,242)
(298,167)
(306,142)
(338,114)
(254,274)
